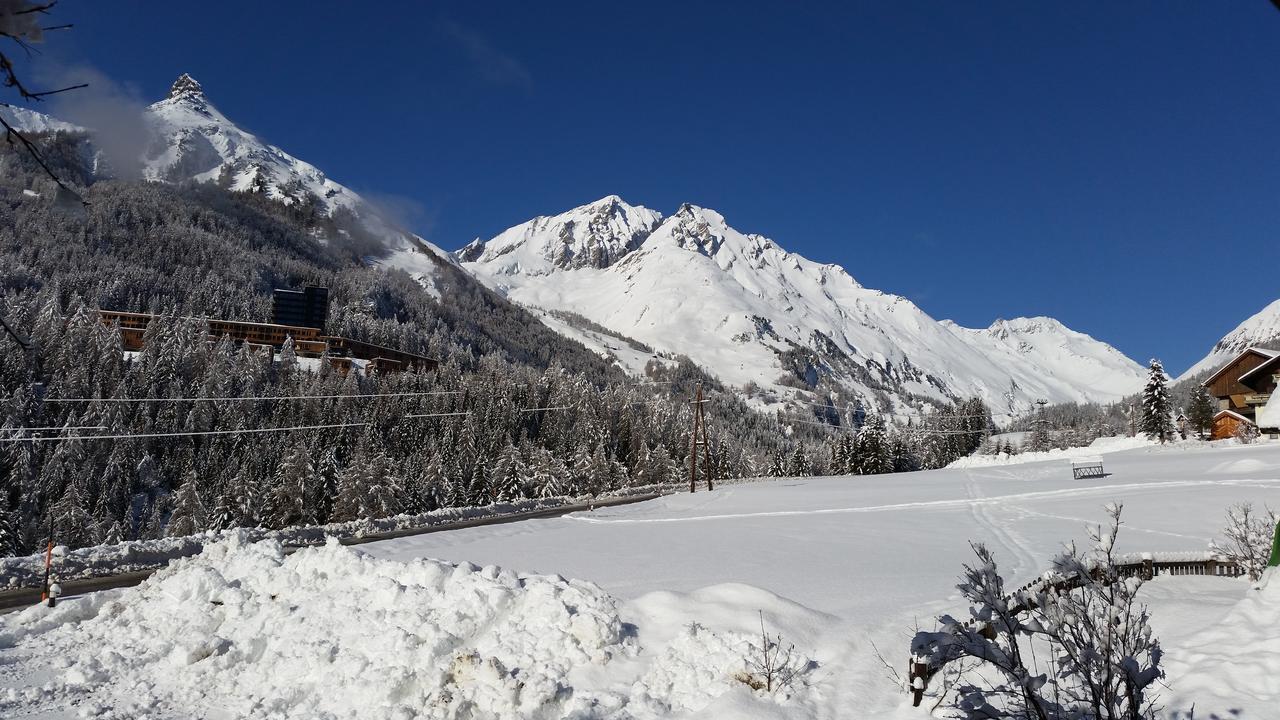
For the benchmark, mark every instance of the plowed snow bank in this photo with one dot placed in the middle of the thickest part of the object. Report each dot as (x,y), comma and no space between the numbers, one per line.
(243,630)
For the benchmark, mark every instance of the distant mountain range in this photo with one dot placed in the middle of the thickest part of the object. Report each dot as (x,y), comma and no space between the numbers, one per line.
(778,324)
(640,287)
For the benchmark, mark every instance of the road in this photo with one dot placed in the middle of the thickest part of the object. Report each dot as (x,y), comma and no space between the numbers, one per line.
(19,598)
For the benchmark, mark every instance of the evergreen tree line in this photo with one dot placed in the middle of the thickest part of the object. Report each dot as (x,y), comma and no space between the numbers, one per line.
(487,440)
(878,447)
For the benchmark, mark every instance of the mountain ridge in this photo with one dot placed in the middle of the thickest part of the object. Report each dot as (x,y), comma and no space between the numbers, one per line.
(1260,329)
(757,315)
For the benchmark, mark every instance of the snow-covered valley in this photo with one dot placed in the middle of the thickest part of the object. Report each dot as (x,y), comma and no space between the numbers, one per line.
(664,603)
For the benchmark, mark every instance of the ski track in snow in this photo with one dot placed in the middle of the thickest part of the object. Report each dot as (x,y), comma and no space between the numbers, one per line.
(1025,559)
(926,504)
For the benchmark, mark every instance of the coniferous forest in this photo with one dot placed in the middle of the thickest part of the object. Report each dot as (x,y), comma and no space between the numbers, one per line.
(513,411)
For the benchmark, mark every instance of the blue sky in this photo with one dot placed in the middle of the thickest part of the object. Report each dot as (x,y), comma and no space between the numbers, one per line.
(1114,165)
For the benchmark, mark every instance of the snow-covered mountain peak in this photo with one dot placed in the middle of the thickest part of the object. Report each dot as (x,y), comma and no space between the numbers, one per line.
(595,235)
(761,317)
(1262,329)
(186,88)
(1038,325)
(191,140)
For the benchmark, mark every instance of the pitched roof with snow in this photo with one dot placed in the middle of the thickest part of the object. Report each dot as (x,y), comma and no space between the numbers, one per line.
(1273,363)
(1232,413)
(1264,352)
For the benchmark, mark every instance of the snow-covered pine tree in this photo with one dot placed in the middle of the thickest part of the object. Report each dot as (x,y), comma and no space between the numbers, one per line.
(478,491)
(352,485)
(507,476)
(384,495)
(9,543)
(288,365)
(777,466)
(598,471)
(580,480)
(294,477)
(661,467)
(187,517)
(224,515)
(1157,408)
(431,486)
(1200,410)
(874,454)
(799,465)
(618,476)
(548,474)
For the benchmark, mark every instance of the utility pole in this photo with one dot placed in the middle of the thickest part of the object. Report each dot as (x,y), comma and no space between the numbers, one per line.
(699,437)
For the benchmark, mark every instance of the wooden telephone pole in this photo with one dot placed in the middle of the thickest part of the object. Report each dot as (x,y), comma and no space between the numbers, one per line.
(699,437)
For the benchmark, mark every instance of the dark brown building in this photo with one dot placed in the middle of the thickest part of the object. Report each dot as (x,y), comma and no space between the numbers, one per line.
(308,342)
(1241,387)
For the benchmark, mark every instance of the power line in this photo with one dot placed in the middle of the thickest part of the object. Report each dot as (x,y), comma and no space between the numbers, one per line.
(551,407)
(252,398)
(191,433)
(431,415)
(50,429)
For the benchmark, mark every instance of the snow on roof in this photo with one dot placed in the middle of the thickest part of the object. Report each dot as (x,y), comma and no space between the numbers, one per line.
(1268,364)
(1232,413)
(1265,352)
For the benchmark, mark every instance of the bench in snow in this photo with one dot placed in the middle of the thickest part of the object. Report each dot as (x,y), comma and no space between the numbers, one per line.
(1090,467)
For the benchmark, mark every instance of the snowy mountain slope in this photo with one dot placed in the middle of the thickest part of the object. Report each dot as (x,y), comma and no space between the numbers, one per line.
(1262,329)
(750,312)
(191,140)
(30,121)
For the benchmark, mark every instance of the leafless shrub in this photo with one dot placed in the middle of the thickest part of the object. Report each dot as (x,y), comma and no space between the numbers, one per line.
(772,666)
(949,678)
(1246,538)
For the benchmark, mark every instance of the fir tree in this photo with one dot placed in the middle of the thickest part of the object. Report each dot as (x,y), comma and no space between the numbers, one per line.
(1157,409)
(295,475)
(383,496)
(348,504)
(777,467)
(1200,410)
(9,543)
(507,476)
(873,452)
(799,465)
(661,468)
(187,517)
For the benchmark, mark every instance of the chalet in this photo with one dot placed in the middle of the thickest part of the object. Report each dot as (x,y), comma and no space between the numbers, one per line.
(1243,388)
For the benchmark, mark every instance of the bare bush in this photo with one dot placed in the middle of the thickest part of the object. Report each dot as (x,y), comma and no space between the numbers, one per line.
(1247,537)
(772,666)
(1083,624)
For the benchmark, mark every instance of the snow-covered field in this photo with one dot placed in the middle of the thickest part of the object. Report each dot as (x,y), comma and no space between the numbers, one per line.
(663,608)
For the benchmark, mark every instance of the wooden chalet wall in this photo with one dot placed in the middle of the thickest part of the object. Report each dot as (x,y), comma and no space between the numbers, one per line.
(1224,426)
(1227,380)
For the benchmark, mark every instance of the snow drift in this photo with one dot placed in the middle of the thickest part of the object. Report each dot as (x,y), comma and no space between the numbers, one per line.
(331,632)
(1232,668)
